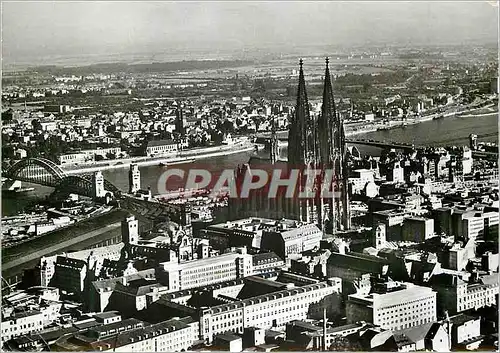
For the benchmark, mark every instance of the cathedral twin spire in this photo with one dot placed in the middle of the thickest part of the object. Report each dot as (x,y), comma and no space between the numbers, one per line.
(309,140)
(321,142)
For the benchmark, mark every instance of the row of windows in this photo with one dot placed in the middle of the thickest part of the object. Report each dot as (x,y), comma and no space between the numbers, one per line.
(417,308)
(212,273)
(162,148)
(307,297)
(395,324)
(200,280)
(279,306)
(270,319)
(208,268)
(413,302)
(33,326)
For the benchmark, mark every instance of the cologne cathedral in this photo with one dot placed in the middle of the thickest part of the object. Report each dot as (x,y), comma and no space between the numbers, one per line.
(313,143)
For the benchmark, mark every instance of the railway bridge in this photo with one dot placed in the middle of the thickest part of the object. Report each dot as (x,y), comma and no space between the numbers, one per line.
(45,172)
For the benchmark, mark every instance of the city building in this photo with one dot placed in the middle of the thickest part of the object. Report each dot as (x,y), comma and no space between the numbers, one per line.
(86,156)
(465,332)
(398,306)
(360,178)
(308,336)
(96,256)
(289,237)
(206,271)
(456,295)
(351,266)
(241,232)
(266,262)
(161,147)
(132,335)
(69,275)
(417,229)
(22,323)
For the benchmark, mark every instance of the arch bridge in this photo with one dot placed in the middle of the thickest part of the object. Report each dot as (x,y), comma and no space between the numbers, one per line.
(45,172)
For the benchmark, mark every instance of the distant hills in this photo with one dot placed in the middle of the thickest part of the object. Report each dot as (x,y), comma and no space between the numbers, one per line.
(140,68)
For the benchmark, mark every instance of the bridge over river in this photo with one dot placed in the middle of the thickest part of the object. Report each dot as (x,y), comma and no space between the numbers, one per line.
(283,141)
(101,230)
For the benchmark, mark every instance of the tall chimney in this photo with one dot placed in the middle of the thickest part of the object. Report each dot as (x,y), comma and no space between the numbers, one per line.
(324,329)
(448,328)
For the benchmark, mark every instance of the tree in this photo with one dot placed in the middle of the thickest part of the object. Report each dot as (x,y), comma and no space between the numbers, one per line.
(227,126)
(341,343)
(7,151)
(36,125)
(7,115)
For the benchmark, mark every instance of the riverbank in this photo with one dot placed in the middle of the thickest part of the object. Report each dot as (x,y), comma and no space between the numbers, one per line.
(423,119)
(57,236)
(182,157)
(478,115)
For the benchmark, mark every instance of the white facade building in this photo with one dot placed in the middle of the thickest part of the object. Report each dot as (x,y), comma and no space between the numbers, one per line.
(161,147)
(21,324)
(361,178)
(204,272)
(407,306)
(273,310)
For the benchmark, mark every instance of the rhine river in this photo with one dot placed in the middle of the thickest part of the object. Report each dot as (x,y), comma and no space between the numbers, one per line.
(434,132)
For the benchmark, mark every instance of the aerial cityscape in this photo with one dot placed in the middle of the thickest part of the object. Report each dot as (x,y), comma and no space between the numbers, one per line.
(255,176)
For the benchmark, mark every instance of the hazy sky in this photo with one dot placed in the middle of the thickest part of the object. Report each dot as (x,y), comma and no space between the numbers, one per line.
(74,28)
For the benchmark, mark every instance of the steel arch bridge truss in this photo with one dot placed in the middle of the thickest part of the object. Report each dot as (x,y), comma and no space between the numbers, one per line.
(45,172)
(36,170)
(152,210)
(82,185)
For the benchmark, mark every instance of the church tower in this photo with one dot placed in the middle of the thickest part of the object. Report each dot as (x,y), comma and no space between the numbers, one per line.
(179,121)
(274,151)
(134,179)
(380,236)
(180,132)
(326,122)
(302,151)
(301,133)
(130,230)
(98,190)
(332,154)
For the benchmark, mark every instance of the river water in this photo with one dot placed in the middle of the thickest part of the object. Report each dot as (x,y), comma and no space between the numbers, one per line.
(434,132)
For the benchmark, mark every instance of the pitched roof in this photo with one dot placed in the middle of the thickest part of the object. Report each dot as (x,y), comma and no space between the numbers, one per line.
(461,319)
(402,340)
(433,330)
(415,333)
(141,333)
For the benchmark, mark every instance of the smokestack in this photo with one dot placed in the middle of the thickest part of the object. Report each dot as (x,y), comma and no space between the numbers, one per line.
(448,328)
(324,329)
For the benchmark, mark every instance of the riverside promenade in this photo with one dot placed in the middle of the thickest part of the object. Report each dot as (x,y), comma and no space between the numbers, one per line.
(180,157)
